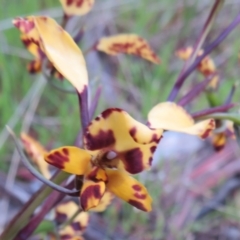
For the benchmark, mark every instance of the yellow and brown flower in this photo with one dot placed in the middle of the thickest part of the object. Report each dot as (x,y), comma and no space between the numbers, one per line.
(43,36)
(170,116)
(206,66)
(115,145)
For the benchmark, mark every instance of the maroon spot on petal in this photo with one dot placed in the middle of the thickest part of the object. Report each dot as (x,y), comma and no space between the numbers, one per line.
(137,187)
(101,140)
(77,226)
(97,118)
(66,237)
(60,218)
(65,151)
(150,161)
(108,112)
(57,159)
(133,161)
(140,196)
(153,148)
(133,131)
(90,192)
(155,138)
(207,132)
(137,204)
(69,2)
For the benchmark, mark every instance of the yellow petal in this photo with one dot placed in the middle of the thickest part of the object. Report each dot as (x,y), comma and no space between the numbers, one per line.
(36,152)
(91,194)
(104,203)
(64,211)
(70,159)
(76,7)
(127,43)
(80,222)
(63,52)
(129,189)
(184,53)
(97,174)
(170,116)
(34,66)
(219,141)
(207,66)
(117,132)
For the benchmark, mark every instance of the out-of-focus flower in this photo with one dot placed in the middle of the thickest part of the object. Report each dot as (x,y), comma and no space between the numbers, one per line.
(219,138)
(127,43)
(78,221)
(36,152)
(44,35)
(115,145)
(170,116)
(206,66)
(76,7)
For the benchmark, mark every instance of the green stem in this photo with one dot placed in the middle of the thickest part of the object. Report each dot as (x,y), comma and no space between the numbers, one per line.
(70,220)
(234,117)
(23,217)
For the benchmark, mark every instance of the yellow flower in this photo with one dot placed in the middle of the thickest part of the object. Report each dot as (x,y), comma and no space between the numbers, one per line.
(44,36)
(224,130)
(77,7)
(206,66)
(66,211)
(170,116)
(115,145)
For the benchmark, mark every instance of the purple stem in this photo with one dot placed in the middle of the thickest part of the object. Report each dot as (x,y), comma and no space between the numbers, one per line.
(52,200)
(83,102)
(204,112)
(95,101)
(194,92)
(230,95)
(207,50)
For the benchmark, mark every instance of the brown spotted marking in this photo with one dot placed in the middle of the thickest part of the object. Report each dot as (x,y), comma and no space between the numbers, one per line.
(77,226)
(94,177)
(101,140)
(105,114)
(61,217)
(57,159)
(121,47)
(150,161)
(211,126)
(137,187)
(133,161)
(155,138)
(137,204)
(152,149)
(88,193)
(140,195)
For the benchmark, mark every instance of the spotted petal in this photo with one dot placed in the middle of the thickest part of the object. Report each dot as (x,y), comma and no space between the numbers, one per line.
(127,43)
(68,233)
(132,142)
(104,203)
(64,212)
(170,116)
(36,152)
(70,159)
(63,52)
(91,194)
(76,7)
(129,189)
